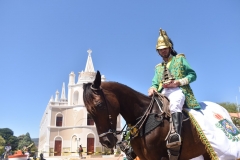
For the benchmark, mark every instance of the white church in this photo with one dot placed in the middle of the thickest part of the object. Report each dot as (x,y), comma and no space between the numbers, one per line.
(66,123)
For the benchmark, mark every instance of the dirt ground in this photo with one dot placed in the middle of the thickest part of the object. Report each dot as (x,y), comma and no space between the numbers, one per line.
(98,158)
(115,158)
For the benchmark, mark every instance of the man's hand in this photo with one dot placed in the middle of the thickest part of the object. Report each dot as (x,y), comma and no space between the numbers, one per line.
(150,91)
(172,84)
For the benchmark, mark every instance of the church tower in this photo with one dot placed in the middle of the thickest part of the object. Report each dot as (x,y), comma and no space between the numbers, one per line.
(75,90)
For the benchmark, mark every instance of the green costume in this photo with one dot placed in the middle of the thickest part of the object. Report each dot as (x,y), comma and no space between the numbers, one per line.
(180,69)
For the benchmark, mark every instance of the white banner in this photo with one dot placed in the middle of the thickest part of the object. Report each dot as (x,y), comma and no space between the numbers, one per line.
(217,131)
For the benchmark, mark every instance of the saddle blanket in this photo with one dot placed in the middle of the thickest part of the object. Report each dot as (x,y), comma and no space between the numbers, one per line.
(216,130)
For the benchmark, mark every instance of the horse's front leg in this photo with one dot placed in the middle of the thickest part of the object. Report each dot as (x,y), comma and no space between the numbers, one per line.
(147,150)
(138,148)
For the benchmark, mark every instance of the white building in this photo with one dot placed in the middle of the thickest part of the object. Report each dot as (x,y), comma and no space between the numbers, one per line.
(66,124)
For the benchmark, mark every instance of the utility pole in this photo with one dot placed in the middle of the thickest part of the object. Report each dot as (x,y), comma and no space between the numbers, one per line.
(238,106)
(237,103)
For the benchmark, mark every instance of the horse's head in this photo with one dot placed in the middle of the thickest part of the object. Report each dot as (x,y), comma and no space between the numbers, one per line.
(103,107)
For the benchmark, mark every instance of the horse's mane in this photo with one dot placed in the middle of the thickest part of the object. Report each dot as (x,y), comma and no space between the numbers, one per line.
(109,87)
(88,96)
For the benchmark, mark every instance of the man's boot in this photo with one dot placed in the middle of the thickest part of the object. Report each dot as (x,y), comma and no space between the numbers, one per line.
(174,141)
(177,123)
(175,138)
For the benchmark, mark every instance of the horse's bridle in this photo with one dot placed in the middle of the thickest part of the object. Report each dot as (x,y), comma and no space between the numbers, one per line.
(111,130)
(138,125)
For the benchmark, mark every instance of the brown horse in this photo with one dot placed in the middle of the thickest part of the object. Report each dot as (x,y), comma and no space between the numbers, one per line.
(106,100)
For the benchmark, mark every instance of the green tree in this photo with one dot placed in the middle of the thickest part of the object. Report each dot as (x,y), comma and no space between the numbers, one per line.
(2,144)
(13,141)
(230,107)
(24,140)
(6,133)
(20,138)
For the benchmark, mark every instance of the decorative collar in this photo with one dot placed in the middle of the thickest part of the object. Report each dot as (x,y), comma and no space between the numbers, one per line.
(169,58)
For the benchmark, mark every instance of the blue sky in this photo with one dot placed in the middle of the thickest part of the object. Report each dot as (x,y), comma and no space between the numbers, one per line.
(41,42)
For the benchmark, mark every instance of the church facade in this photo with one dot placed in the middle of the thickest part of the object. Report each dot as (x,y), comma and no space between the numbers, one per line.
(66,123)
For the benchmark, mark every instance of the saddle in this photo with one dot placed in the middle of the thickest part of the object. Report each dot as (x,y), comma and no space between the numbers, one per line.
(163,104)
(155,118)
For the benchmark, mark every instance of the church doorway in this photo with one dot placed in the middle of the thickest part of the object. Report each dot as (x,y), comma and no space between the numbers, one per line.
(90,144)
(58,146)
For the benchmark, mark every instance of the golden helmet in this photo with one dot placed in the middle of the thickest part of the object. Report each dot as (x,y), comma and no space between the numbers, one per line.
(163,40)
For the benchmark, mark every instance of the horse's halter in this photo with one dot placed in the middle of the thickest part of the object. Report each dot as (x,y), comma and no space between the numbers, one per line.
(111,130)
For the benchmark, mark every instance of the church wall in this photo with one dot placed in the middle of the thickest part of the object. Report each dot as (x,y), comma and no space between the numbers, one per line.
(67,134)
(56,111)
(43,131)
(78,88)
(71,116)
(70,92)
(75,116)
(118,121)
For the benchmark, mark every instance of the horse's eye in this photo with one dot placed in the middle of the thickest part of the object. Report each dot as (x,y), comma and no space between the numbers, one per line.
(100,105)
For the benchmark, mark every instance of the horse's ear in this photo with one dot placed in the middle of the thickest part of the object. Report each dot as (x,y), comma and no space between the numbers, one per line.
(97,81)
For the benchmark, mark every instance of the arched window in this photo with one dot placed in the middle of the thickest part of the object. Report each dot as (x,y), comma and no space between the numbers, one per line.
(89,120)
(75,98)
(59,120)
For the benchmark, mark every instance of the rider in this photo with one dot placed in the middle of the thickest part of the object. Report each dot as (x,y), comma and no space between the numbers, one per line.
(172,78)
(7,148)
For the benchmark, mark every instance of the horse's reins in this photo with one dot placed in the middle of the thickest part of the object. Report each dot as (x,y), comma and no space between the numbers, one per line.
(138,125)
(143,118)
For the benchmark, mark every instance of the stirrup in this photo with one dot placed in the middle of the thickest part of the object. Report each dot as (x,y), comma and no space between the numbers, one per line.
(173,153)
(172,157)
(174,140)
